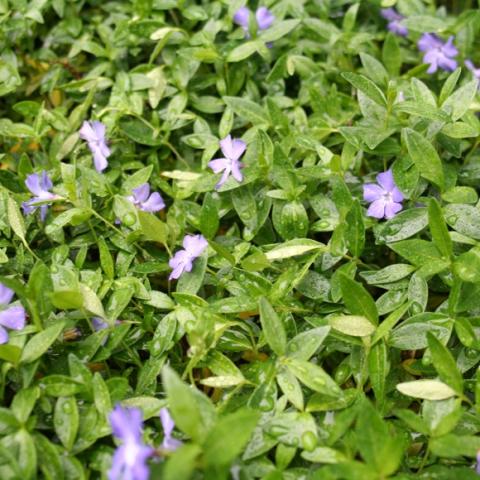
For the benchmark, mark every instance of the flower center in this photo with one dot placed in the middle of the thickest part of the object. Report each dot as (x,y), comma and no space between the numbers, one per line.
(387,197)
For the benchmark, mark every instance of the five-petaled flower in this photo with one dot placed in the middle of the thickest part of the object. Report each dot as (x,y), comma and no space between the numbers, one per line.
(437,53)
(233,149)
(130,458)
(145,201)
(169,443)
(385,197)
(394,19)
(182,261)
(263,17)
(12,317)
(94,134)
(39,185)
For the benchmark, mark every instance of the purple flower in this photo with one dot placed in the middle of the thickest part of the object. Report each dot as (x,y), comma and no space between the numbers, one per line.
(182,261)
(130,459)
(169,442)
(394,19)
(10,317)
(437,53)
(385,197)
(476,71)
(263,17)
(233,150)
(477,467)
(94,134)
(39,186)
(142,199)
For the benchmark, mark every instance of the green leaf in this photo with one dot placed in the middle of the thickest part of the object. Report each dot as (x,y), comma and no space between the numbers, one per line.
(243,51)
(192,411)
(181,464)
(15,218)
(23,403)
(10,353)
(357,299)
(41,342)
(278,30)
(305,344)
(209,218)
(229,436)
(353,325)
(465,219)
(366,86)
(451,445)
(438,229)
(355,230)
(66,420)
(273,328)
(378,447)
(402,226)
(293,248)
(101,396)
(426,389)
(314,377)
(445,364)
(248,110)
(153,228)
(374,69)
(449,85)
(140,132)
(460,101)
(422,254)
(391,54)
(424,156)
(106,260)
(291,388)
(378,368)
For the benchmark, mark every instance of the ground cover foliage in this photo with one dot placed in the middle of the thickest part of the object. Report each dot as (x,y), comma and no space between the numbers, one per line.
(299,300)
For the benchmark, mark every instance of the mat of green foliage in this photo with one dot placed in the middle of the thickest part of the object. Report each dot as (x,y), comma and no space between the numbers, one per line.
(296,288)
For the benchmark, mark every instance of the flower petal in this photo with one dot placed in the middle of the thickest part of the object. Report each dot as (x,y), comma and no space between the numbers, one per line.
(99,130)
(99,160)
(386,181)
(236,173)
(226,146)
(372,192)
(390,14)
(377,209)
(13,317)
(219,164)
(86,132)
(264,17)
(141,193)
(242,17)
(195,244)
(397,195)
(154,204)
(33,183)
(3,336)
(238,147)
(428,42)
(43,212)
(6,294)
(46,182)
(167,422)
(179,262)
(391,209)
(126,423)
